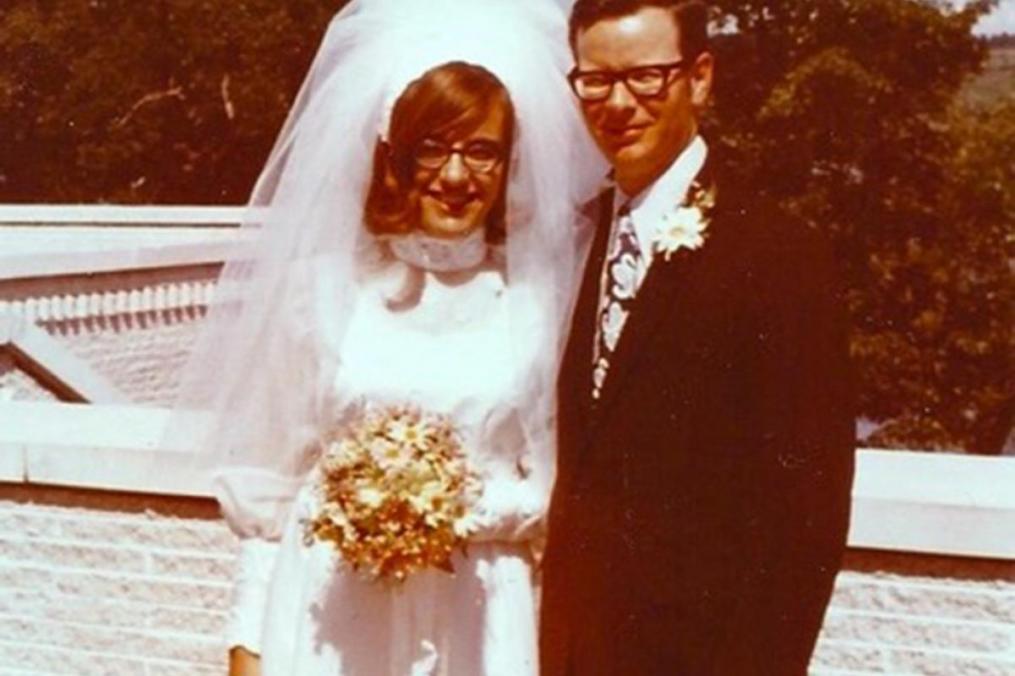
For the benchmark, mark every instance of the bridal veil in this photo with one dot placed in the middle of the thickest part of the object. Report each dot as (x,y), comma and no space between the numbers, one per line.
(250,396)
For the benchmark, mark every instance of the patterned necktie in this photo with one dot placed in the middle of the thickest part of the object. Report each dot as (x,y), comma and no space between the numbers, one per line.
(621,276)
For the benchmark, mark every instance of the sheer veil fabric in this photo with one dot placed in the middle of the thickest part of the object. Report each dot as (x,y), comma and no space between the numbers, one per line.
(251,396)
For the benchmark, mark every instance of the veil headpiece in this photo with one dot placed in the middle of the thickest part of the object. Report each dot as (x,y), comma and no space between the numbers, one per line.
(274,330)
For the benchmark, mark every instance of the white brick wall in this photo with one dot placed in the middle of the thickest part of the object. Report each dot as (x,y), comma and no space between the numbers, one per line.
(142,354)
(123,289)
(134,328)
(104,583)
(96,582)
(920,614)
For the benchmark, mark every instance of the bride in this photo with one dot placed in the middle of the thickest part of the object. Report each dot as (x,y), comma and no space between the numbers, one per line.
(412,241)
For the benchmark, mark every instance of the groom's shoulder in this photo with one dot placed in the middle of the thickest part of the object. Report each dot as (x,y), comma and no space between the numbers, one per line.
(772,244)
(760,222)
(754,218)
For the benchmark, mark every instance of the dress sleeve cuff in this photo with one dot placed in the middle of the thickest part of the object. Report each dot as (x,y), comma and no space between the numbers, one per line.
(254,501)
(255,564)
(509,511)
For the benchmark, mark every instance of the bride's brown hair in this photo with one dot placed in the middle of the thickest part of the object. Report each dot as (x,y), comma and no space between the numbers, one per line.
(451,99)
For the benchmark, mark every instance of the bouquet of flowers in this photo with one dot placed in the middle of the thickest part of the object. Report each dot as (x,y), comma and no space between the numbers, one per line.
(393,493)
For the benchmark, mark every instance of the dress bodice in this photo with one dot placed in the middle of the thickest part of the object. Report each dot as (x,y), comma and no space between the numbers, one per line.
(452,349)
(462,345)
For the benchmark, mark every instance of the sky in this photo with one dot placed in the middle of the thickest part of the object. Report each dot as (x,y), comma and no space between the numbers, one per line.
(1001,20)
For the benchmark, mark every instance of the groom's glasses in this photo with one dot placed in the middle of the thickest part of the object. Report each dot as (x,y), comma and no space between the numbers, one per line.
(643,81)
(480,156)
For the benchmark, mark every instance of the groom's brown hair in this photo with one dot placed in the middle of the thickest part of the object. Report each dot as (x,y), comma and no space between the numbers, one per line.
(691,17)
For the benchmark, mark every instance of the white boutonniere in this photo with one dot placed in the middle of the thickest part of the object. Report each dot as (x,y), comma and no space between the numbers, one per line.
(686,226)
(683,228)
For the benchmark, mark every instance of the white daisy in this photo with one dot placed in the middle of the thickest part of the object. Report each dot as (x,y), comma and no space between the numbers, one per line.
(681,229)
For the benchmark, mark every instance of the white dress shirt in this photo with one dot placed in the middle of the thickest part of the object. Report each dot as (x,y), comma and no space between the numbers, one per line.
(649,206)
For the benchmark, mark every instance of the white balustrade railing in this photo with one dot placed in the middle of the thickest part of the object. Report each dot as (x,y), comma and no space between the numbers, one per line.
(902,500)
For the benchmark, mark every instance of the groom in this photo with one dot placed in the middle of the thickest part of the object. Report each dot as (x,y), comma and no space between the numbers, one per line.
(706,424)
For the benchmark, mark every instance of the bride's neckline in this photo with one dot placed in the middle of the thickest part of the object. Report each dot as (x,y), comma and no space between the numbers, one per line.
(422,270)
(440,254)
(407,288)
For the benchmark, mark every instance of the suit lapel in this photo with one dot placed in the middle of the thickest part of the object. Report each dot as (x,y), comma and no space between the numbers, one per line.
(655,300)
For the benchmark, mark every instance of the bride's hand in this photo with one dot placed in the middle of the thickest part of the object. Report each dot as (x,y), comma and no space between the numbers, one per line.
(508,511)
(242,662)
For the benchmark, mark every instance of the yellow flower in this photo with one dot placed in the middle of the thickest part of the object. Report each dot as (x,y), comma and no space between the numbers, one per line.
(370,497)
(393,489)
(408,433)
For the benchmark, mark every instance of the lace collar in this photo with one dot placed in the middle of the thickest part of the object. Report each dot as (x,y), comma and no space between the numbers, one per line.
(439,254)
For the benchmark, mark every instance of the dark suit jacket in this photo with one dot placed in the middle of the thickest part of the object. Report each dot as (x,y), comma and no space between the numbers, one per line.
(702,504)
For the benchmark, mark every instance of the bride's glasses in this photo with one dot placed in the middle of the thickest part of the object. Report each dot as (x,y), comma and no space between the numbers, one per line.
(479,156)
(644,81)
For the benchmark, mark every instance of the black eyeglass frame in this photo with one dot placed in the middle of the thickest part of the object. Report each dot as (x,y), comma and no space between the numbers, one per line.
(462,149)
(615,76)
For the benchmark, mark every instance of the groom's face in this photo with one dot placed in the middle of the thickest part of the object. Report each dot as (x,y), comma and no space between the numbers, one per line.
(642,135)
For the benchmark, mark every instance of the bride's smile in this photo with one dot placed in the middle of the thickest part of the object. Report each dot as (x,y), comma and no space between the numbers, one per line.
(460,178)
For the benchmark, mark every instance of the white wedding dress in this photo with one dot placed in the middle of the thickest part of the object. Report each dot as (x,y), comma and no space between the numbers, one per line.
(452,352)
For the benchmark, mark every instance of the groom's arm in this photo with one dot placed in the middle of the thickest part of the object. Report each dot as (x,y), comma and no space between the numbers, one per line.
(797,492)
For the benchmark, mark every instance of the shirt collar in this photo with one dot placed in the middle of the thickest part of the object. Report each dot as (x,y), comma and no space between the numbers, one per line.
(648,207)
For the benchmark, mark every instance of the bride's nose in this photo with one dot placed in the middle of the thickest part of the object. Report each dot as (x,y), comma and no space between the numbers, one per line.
(454,173)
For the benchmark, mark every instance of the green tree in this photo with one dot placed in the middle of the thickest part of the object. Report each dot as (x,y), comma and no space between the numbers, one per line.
(169,101)
(844,110)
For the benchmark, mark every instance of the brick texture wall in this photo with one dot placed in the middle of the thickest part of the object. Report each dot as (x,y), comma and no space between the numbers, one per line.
(141,354)
(916,614)
(101,583)
(134,328)
(109,583)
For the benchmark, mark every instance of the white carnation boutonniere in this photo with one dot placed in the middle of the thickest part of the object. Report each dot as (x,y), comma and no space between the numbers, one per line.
(686,227)
(680,229)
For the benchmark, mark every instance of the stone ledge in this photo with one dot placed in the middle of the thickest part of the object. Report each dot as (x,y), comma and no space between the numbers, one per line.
(902,500)
(58,240)
(935,503)
(113,448)
(63,256)
(77,214)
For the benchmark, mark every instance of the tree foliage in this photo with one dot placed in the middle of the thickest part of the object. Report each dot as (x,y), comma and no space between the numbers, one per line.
(168,101)
(847,111)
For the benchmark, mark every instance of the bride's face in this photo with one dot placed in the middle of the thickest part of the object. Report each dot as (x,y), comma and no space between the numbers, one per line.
(458,178)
